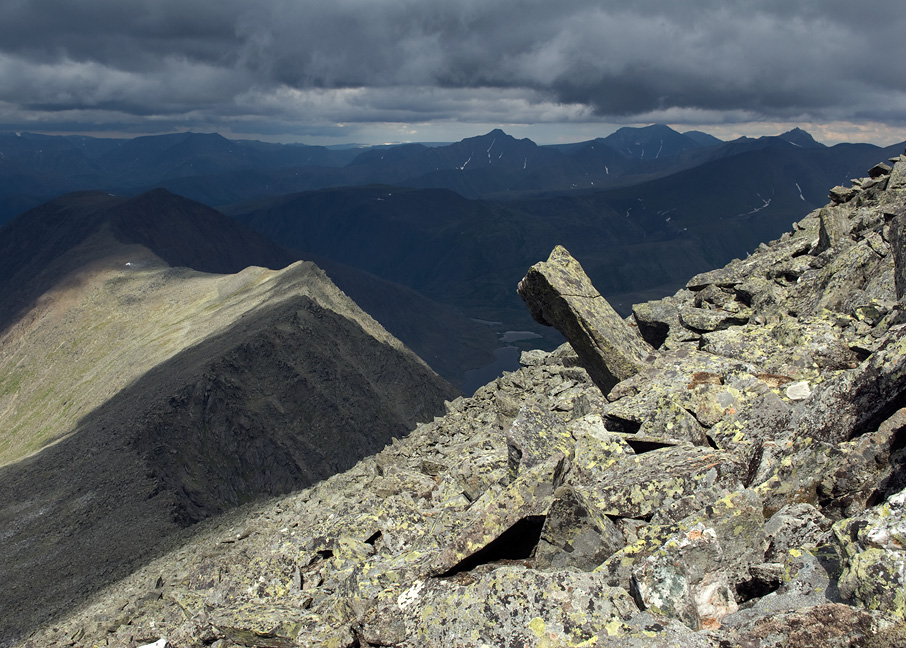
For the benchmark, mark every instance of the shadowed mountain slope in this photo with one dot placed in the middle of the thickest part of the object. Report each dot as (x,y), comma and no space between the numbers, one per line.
(137,398)
(40,247)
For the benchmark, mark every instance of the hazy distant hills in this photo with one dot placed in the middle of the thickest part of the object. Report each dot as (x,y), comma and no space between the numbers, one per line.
(217,171)
(634,241)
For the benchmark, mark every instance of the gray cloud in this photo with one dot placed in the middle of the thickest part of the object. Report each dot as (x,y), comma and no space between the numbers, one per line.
(514,61)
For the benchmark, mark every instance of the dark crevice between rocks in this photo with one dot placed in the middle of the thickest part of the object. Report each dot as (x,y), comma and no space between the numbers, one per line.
(861,352)
(712,442)
(641,447)
(872,423)
(516,543)
(616,424)
(654,333)
(757,586)
(754,463)
(644,518)
(374,538)
(896,481)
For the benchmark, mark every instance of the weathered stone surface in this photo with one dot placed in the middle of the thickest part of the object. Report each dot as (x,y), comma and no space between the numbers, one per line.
(897,238)
(534,436)
(637,485)
(796,526)
(880,169)
(516,606)
(832,625)
(705,319)
(684,580)
(835,226)
(559,294)
(574,535)
(654,320)
(873,546)
(857,401)
(842,194)
(528,499)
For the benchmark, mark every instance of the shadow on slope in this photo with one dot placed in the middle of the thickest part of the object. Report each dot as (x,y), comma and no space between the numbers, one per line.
(288,396)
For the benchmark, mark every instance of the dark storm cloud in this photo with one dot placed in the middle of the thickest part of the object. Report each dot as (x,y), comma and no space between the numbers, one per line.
(398,60)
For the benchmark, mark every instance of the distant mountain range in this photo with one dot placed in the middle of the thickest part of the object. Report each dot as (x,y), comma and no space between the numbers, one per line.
(427,237)
(217,171)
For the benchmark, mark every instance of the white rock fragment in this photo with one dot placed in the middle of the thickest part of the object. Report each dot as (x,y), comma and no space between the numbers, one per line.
(798,391)
(160,643)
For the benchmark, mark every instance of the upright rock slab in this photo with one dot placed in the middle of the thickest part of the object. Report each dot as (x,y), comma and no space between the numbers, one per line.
(559,293)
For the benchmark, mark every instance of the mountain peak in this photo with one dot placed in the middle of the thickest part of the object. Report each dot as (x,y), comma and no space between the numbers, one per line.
(799,137)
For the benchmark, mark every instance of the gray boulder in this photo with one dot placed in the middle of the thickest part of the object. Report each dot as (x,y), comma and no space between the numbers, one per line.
(558,293)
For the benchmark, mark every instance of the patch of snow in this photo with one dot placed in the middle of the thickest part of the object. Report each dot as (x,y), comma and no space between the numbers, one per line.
(659,150)
(606,170)
(757,209)
(465,163)
(524,163)
(801,197)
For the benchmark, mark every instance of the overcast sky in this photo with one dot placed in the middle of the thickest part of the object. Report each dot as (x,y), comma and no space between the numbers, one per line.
(330,71)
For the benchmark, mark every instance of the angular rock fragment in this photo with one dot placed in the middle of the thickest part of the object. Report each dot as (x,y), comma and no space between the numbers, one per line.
(684,580)
(534,436)
(636,486)
(515,606)
(835,226)
(842,194)
(493,534)
(574,535)
(559,294)
(830,624)
(880,169)
(704,319)
(796,526)
(654,319)
(873,546)
(898,245)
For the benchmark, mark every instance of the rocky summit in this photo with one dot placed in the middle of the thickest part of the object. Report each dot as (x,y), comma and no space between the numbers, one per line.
(724,468)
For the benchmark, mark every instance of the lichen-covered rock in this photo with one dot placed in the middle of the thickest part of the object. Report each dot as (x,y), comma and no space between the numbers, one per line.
(795,526)
(832,625)
(898,245)
(575,535)
(684,579)
(558,293)
(637,485)
(873,546)
(514,605)
(527,499)
(534,436)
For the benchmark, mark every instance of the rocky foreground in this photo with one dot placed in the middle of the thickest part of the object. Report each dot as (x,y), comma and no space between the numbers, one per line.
(724,469)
